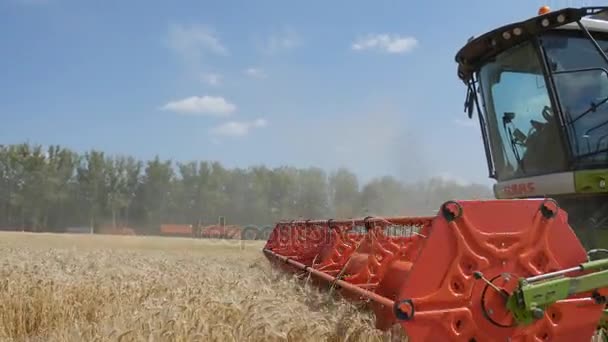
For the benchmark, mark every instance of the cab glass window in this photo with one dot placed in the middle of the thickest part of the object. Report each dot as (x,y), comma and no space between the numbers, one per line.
(581,80)
(523,130)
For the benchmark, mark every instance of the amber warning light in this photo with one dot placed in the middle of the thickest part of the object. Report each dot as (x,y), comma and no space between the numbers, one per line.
(544,10)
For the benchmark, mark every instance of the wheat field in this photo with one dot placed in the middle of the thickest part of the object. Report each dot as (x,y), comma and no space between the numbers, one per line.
(56,287)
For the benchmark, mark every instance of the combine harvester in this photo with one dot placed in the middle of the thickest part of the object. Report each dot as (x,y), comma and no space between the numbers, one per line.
(510,269)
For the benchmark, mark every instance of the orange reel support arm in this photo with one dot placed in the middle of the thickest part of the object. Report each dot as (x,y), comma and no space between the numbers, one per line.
(348,286)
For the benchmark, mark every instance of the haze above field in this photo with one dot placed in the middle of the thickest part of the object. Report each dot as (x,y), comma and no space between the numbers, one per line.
(52,189)
(371,87)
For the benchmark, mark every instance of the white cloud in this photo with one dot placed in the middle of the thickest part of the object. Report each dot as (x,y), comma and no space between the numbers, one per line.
(280,41)
(255,72)
(191,42)
(238,128)
(194,46)
(217,106)
(385,42)
(212,79)
(260,123)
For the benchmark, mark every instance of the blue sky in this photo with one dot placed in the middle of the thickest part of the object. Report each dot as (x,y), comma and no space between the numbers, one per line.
(370,85)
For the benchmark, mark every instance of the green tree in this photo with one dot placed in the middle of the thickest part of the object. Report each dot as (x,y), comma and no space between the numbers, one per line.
(58,192)
(156,191)
(344,193)
(53,188)
(312,200)
(91,176)
(122,180)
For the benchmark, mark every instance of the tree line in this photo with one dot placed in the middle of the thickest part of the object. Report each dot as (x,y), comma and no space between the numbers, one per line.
(51,188)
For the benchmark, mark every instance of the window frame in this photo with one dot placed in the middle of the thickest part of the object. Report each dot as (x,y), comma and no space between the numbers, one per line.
(568,131)
(490,139)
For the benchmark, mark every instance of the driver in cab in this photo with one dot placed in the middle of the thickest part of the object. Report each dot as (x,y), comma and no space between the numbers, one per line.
(543,146)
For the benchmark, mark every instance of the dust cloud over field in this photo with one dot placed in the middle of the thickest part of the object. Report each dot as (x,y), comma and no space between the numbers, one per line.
(105,288)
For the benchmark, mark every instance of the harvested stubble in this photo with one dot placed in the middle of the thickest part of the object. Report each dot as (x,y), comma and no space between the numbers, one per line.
(110,288)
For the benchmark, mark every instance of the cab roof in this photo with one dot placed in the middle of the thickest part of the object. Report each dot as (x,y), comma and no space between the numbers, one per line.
(479,50)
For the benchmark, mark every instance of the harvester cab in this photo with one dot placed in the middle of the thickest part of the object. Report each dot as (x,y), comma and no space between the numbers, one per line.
(505,269)
(540,89)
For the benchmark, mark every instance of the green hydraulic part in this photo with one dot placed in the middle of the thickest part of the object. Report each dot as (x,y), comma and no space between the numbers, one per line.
(529,302)
(534,295)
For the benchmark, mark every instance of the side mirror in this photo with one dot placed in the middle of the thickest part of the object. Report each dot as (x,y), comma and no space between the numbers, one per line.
(508,117)
(469,102)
